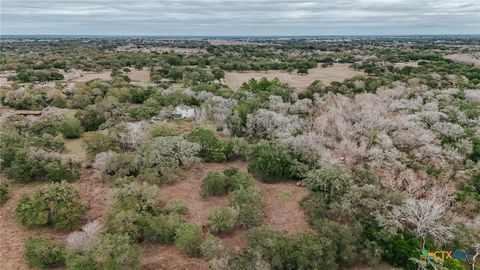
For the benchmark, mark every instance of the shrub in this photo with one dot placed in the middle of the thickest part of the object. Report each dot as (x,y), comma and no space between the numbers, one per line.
(249,206)
(176,206)
(134,211)
(97,142)
(398,250)
(71,128)
(127,221)
(213,184)
(271,162)
(163,130)
(122,164)
(43,253)
(212,248)
(91,117)
(333,180)
(32,164)
(233,148)
(365,177)
(188,238)
(48,126)
(55,205)
(221,220)
(163,228)
(135,196)
(79,259)
(163,155)
(236,179)
(307,252)
(209,143)
(248,259)
(114,251)
(3,193)
(59,101)
(160,175)
(275,248)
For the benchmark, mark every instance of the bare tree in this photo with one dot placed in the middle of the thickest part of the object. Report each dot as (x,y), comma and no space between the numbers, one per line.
(83,238)
(133,135)
(424,217)
(101,162)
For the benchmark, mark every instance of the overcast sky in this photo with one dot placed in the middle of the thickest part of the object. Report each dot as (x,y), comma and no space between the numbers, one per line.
(253,17)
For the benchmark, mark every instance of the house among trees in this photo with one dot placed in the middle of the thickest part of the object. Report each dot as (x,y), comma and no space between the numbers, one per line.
(183,111)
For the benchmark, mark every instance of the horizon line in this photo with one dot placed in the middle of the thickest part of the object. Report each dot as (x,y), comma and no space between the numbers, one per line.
(241,35)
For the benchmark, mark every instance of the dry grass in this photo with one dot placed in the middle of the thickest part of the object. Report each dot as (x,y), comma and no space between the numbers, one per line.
(75,147)
(337,72)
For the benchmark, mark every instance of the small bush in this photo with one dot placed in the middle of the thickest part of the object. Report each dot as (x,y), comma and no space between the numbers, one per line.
(236,179)
(163,129)
(71,128)
(221,220)
(114,251)
(3,193)
(209,143)
(97,142)
(176,206)
(212,248)
(122,164)
(365,177)
(48,126)
(213,184)
(308,251)
(127,221)
(188,238)
(160,175)
(33,164)
(79,259)
(141,198)
(57,205)
(163,228)
(333,180)
(43,253)
(272,162)
(249,206)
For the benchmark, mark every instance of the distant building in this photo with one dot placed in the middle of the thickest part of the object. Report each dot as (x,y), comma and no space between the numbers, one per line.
(164,80)
(183,112)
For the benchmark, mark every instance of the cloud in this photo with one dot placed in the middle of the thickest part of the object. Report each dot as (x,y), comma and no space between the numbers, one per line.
(233,17)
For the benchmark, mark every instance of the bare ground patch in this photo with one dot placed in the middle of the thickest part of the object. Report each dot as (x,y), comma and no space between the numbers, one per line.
(155,256)
(337,72)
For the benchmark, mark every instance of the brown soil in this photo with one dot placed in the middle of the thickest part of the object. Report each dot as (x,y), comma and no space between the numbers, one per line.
(284,213)
(139,75)
(337,72)
(155,256)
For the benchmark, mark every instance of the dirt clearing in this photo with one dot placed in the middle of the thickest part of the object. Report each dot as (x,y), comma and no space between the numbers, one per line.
(337,72)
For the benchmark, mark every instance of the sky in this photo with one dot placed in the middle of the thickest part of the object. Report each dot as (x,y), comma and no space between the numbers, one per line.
(237,18)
